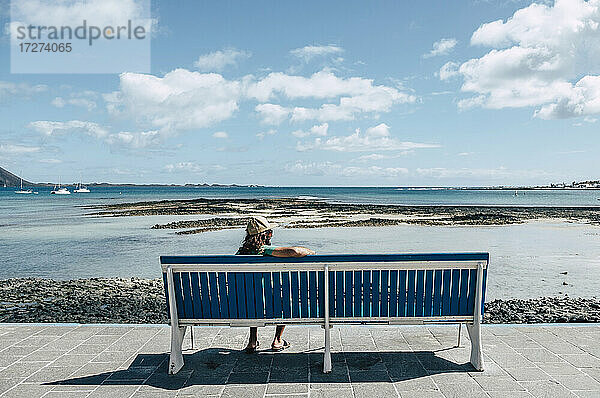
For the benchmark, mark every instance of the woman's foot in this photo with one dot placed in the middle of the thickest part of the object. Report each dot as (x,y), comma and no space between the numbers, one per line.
(279,345)
(251,347)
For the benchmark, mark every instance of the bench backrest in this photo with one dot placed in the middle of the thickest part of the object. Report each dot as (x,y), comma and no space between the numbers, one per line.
(387,286)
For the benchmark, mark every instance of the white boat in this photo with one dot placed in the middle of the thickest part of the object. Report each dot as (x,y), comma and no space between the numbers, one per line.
(81,189)
(60,190)
(21,191)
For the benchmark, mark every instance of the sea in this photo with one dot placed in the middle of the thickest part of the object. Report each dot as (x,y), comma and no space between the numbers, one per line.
(50,236)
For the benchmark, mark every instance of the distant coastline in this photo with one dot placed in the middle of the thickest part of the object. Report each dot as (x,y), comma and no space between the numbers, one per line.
(12,180)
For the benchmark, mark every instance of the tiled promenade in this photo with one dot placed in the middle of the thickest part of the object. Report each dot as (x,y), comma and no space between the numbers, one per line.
(131,361)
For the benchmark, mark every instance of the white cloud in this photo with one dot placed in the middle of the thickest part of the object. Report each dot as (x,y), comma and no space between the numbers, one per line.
(263,134)
(136,140)
(357,95)
(500,172)
(141,139)
(376,138)
(372,157)
(272,113)
(17,149)
(50,161)
(193,168)
(333,169)
(220,134)
(318,130)
(219,60)
(20,90)
(441,47)
(50,128)
(181,100)
(86,99)
(448,70)
(309,52)
(544,56)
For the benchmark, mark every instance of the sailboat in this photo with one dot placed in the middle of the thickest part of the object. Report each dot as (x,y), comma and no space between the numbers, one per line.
(60,191)
(21,191)
(81,188)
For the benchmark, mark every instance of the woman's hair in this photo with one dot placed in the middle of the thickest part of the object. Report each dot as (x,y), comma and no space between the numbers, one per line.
(253,243)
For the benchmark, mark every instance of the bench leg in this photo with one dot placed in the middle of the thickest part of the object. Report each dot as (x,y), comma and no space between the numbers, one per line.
(176,357)
(476,351)
(327,353)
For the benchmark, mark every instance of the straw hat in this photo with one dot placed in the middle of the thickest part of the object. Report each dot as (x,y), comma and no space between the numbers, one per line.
(258,224)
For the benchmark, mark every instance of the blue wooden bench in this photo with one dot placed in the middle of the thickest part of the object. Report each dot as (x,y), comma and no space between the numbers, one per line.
(392,289)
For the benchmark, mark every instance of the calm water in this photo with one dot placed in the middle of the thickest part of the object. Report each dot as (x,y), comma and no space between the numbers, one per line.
(47,236)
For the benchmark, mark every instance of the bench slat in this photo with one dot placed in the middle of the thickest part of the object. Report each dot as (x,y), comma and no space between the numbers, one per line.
(166,285)
(223,296)
(428,303)
(214,295)
(384,294)
(178,294)
(196,300)
(472,288)
(437,293)
(483,290)
(204,294)
(402,293)
(410,295)
(232,294)
(188,310)
(366,292)
(454,307)
(348,293)
(420,293)
(269,295)
(241,294)
(249,288)
(295,290)
(375,300)
(304,294)
(332,294)
(321,290)
(446,284)
(312,298)
(464,291)
(357,293)
(277,295)
(339,294)
(258,295)
(393,293)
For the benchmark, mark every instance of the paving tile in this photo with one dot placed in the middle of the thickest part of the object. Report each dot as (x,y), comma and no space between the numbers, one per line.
(528,374)
(498,383)
(421,394)
(547,389)
(458,390)
(27,391)
(244,391)
(287,388)
(578,382)
(344,392)
(376,389)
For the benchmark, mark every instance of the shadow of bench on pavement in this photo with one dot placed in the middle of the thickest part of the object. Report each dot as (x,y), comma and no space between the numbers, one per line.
(220,366)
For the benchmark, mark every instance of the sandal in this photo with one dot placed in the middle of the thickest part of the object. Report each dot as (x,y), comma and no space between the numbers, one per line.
(282,347)
(250,349)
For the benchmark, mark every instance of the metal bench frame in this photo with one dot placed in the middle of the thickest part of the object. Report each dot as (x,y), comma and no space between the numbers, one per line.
(174,264)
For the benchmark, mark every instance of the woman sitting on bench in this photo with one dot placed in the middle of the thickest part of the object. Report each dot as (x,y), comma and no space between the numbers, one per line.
(258,241)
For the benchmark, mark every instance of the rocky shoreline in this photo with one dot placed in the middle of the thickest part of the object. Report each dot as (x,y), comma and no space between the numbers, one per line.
(303,213)
(117,300)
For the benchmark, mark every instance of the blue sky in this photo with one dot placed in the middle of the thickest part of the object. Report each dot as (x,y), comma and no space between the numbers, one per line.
(324,93)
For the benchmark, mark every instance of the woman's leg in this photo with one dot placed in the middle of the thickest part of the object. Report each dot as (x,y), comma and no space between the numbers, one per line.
(253,340)
(278,341)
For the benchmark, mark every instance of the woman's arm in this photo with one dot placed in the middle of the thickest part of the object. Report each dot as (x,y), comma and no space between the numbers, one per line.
(294,251)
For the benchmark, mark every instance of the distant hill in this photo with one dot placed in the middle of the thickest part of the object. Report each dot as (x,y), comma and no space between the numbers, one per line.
(10,180)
